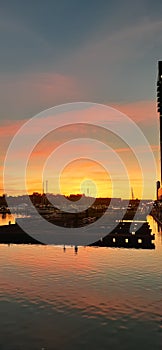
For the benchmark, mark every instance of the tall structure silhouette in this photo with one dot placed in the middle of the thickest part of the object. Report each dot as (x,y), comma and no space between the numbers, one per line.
(159,108)
(132,193)
(46,186)
(157,189)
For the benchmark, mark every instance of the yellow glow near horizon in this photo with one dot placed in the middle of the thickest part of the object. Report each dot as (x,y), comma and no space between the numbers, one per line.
(85,176)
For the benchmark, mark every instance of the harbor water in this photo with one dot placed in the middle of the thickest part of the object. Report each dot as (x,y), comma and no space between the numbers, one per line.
(99,298)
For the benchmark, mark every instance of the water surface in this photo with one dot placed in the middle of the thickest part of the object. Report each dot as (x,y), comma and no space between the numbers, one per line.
(99,298)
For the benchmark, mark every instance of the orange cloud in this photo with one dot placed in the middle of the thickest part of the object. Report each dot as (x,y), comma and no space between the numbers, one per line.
(138,111)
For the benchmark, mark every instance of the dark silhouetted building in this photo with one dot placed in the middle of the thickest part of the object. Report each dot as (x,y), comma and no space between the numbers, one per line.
(159,106)
(159,110)
(157,189)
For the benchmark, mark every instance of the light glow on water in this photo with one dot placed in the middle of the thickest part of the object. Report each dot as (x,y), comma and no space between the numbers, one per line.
(102,298)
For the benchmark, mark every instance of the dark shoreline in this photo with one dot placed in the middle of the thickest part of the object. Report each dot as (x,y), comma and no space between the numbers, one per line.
(118,238)
(13,234)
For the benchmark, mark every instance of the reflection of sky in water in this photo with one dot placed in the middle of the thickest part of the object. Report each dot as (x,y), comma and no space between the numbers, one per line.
(6,218)
(99,298)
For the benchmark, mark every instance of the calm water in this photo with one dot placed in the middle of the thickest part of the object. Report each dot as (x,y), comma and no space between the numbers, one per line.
(100,298)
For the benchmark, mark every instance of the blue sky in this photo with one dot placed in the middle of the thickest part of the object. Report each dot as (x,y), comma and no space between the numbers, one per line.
(108,50)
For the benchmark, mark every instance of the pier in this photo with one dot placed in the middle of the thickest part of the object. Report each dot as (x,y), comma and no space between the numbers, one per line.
(120,237)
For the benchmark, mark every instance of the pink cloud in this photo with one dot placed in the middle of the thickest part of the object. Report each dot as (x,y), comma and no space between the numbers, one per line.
(9,128)
(140,111)
(20,94)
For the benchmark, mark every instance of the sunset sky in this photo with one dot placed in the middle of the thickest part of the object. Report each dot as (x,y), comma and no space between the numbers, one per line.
(56,52)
